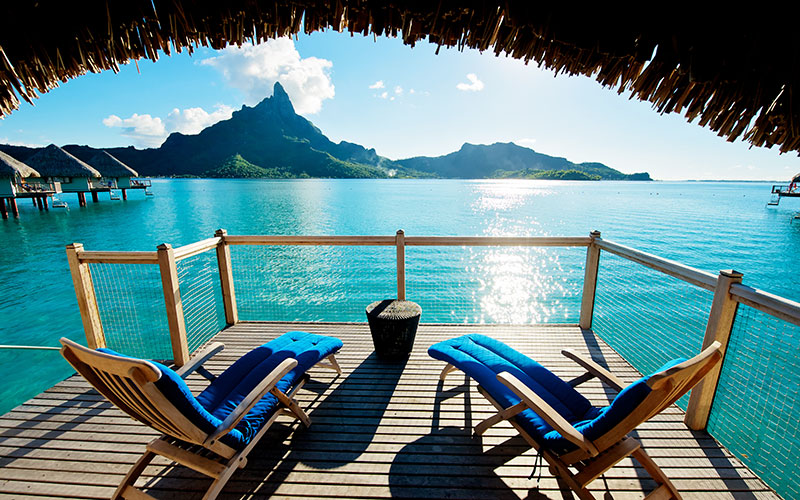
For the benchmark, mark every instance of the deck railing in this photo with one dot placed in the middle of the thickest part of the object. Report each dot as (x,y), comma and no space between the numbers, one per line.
(103,183)
(664,309)
(37,186)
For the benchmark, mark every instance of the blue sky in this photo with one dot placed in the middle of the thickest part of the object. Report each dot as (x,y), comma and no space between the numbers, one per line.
(402,101)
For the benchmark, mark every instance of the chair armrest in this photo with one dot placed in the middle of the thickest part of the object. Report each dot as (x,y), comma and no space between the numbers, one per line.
(252,398)
(547,412)
(593,368)
(197,361)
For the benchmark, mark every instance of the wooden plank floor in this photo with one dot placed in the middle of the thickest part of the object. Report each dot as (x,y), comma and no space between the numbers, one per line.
(379,430)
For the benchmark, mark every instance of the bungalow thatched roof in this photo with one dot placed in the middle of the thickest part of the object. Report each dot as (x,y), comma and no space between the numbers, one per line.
(109,166)
(53,161)
(9,166)
(733,70)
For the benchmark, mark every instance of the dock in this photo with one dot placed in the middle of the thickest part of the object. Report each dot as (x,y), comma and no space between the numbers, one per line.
(379,430)
(784,191)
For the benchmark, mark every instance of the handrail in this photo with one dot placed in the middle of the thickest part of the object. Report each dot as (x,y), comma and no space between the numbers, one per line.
(35,347)
(500,241)
(691,275)
(544,241)
(785,309)
(196,248)
(105,257)
(311,240)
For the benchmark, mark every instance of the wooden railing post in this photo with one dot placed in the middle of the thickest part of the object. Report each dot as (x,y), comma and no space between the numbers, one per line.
(590,281)
(400,241)
(87,301)
(226,278)
(718,328)
(172,299)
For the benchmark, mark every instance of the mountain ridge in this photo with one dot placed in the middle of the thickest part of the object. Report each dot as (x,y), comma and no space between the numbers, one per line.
(508,160)
(272,138)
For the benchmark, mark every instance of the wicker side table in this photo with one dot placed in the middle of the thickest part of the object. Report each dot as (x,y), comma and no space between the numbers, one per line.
(393,324)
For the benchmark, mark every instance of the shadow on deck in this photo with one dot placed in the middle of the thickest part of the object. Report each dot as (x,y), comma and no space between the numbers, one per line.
(379,430)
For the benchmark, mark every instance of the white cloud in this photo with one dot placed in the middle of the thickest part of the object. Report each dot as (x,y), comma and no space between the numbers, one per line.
(384,95)
(398,90)
(254,69)
(151,131)
(6,140)
(193,120)
(378,85)
(145,130)
(411,91)
(475,85)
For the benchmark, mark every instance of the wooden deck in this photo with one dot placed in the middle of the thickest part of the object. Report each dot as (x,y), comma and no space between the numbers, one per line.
(379,430)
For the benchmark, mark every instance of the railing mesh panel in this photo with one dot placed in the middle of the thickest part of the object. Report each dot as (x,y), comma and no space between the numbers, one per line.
(311,283)
(201,294)
(756,407)
(132,311)
(511,285)
(648,317)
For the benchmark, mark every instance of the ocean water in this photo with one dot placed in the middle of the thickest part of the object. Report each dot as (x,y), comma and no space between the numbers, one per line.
(710,226)
(707,225)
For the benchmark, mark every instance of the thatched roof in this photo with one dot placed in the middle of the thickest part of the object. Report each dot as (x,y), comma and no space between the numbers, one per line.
(733,72)
(109,166)
(53,161)
(9,166)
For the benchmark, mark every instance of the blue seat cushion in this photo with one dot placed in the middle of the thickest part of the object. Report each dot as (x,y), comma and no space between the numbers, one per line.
(214,404)
(235,383)
(482,358)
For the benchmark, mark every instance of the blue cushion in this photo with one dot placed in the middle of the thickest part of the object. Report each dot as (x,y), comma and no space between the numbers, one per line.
(482,358)
(235,383)
(215,403)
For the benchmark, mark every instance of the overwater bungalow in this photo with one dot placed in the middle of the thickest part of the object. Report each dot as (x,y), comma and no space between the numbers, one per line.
(791,190)
(18,180)
(73,175)
(117,175)
(401,429)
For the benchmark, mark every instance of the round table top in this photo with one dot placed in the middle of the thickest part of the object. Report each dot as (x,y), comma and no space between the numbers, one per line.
(393,309)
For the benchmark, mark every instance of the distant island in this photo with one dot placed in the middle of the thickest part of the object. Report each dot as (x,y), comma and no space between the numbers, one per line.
(271,141)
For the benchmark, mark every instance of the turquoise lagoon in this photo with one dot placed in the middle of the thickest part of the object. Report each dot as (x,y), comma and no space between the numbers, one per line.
(710,226)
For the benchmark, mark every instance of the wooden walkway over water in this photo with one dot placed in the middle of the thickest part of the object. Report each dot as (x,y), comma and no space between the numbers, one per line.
(379,430)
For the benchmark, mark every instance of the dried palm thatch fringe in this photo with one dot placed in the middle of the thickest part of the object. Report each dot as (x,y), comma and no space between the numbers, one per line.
(110,166)
(11,167)
(733,72)
(53,161)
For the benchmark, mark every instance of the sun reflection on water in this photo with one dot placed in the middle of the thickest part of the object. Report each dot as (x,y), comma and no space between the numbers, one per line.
(519,285)
(504,195)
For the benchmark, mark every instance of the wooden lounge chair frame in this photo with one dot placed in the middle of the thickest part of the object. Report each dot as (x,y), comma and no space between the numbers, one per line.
(592,458)
(128,383)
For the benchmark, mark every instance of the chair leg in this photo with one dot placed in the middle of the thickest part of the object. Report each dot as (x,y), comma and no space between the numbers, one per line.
(561,471)
(331,364)
(335,364)
(657,474)
(133,474)
(291,405)
(219,483)
(447,369)
(498,417)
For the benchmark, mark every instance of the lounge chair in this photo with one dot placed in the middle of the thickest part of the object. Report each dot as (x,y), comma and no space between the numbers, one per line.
(558,421)
(214,432)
